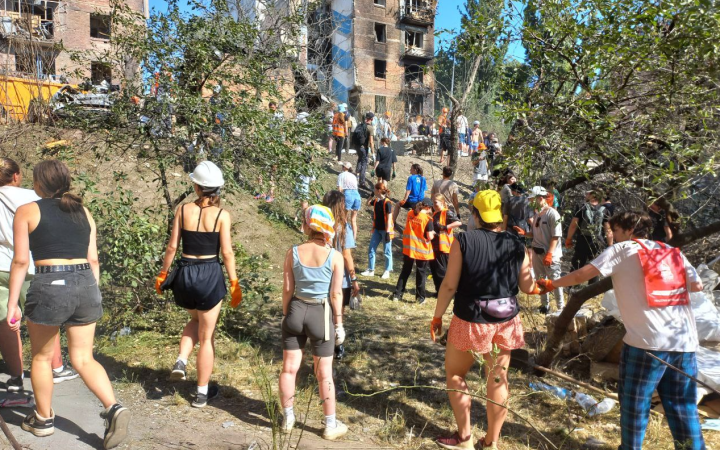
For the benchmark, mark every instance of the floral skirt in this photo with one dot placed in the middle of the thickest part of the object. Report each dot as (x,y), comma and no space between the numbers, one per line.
(480,337)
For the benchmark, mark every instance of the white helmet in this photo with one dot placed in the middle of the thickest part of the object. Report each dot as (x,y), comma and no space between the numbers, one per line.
(207,174)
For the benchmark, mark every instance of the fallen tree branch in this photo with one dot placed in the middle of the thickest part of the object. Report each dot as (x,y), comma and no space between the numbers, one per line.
(435,388)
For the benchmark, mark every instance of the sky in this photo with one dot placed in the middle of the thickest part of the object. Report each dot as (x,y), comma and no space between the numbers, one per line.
(448,18)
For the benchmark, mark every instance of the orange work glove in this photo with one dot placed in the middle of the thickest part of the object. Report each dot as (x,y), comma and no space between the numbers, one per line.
(401,202)
(546,286)
(519,230)
(568,243)
(158,281)
(235,293)
(536,290)
(547,260)
(435,328)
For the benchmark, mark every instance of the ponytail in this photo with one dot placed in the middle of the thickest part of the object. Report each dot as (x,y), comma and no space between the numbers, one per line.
(8,169)
(70,203)
(52,179)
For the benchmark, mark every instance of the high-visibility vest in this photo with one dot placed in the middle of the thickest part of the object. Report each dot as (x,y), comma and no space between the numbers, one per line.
(338,125)
(442,122)
(414,243)
(388,224)
(446,237)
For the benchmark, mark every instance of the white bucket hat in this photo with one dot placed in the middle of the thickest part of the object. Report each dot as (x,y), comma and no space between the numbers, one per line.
(208,175)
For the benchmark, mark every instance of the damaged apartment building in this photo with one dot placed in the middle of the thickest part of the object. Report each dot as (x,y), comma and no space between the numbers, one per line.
(374,55)
(31,31)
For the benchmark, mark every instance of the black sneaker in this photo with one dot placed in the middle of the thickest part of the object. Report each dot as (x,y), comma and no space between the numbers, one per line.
(38,427)
(15,384)
(420,300)
(68,373)
(202,399)
(339,352)
(178,371)
(543,309)
(117,419)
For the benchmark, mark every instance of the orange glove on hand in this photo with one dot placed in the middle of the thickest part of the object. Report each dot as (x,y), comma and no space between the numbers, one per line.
(519,230)
(568,243)
(546,286)
(536,290)
(435,328)
(235,293)
(158,281)
(401,202)
(547,260)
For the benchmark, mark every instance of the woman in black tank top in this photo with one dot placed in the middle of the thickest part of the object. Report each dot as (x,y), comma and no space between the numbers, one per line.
(486,270)
(64,291)
(197,281)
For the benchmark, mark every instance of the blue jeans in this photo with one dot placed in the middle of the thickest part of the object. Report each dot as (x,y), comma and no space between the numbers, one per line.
(378,237)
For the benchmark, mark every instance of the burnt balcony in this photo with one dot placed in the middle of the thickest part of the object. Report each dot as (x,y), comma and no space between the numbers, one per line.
(416,53)
(418,13)
(414,86)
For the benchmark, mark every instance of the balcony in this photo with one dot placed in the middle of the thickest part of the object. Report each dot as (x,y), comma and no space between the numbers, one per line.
(418,13)
(413,86)
(416,53)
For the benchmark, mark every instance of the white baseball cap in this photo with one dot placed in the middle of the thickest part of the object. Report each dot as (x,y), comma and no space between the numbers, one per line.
(538,191)
(346,165)
(207,174)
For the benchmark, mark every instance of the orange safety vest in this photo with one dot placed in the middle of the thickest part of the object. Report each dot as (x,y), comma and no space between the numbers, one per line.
(446,237)
(414,243)
(387,217)
(442,121)
(338,125)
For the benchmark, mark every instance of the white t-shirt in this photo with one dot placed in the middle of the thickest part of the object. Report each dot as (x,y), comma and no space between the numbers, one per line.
(462,125)
(670,328)
(13,197)
(347,180)
(550,227)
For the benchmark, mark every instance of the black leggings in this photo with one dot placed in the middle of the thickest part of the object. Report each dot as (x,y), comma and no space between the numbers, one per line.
(438,267)
(420,276)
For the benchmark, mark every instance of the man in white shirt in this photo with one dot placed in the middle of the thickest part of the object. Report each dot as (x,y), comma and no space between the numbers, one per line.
(462,130)
(666,332)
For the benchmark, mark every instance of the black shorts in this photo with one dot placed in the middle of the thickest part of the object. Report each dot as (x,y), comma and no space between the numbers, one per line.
(445,142)
(199,284)
(346,296)
(382,172)
(306,321)
(69,298)
(409,205)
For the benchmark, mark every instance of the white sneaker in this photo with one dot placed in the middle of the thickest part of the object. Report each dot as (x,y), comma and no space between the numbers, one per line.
(385,275)
(287,426)
(368,273)
(339,431)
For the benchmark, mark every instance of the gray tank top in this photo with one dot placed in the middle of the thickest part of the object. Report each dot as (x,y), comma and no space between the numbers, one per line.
(312,282)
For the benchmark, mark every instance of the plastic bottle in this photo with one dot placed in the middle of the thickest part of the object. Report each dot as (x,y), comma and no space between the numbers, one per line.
(587,402)
(605,406)
(554,390)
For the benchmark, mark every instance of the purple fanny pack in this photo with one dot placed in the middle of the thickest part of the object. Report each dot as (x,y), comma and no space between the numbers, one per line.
(500,308)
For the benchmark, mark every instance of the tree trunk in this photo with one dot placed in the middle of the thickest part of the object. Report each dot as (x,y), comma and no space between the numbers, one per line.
(577,299)
(458,107)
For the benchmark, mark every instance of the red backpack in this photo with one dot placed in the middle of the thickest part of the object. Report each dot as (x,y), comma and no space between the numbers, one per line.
(665,278)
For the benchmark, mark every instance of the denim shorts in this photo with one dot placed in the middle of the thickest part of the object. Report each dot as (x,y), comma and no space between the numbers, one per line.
(352,199)
(64,298)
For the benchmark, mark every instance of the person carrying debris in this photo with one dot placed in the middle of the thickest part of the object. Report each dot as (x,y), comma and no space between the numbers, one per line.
(591,224)
(652,282)
(486,270)
(313,272)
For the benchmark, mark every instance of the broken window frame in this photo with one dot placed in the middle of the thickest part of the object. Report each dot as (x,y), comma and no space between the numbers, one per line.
(414,37)
(380,63)
(105,20)
(414,73)
(102,68)
(382,34)
(379,3)
(36,19)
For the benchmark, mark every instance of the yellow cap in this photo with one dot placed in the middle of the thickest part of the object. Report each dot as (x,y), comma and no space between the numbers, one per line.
(489,206)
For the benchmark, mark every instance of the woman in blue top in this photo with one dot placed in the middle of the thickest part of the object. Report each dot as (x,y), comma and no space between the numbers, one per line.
(414,191)
(311,271)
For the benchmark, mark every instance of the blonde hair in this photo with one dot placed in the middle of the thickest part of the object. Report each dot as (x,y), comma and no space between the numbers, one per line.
(441,198)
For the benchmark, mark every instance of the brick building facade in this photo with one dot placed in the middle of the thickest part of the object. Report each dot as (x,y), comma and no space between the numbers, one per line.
(31,29)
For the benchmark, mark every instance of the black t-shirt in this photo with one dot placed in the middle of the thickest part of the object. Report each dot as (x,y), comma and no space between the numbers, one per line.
(379,222)
(609,209)
(424,130)
(659,219)
(451,217)
(385,157)
(491,265)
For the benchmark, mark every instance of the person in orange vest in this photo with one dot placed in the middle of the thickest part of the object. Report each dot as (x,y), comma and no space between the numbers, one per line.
(443,133)
(417,249)
(340,130)
(444,222)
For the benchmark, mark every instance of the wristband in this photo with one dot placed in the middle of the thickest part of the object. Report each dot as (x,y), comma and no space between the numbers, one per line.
(352,280)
